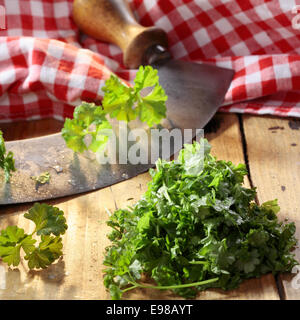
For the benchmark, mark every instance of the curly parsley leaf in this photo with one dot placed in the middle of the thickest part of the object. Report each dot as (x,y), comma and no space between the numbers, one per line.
(10,244)
(89,120)
(49,220)
(12,234)
(49,249)
(7,162)
(11,254)
(118,100)
(28,244)
(39,259)
(196,227)
(127,103)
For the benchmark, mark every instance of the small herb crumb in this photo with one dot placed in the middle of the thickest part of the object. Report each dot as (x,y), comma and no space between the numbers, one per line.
(42,178)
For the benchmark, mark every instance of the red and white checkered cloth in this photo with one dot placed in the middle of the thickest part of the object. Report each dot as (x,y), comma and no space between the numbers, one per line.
(45,70)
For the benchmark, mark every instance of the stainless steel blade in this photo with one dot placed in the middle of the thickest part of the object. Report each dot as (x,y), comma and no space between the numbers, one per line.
(195,92)
(71,173)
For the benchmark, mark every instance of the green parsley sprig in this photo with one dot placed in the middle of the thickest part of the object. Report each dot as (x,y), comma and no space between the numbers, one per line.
(75,130)
(50,224)
(127,103)
(120,101)
(7,162)
(196,227)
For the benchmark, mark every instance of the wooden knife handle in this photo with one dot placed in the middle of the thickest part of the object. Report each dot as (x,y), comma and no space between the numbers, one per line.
(112,21)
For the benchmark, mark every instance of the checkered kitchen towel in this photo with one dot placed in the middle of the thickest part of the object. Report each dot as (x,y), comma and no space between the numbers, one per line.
(45,70)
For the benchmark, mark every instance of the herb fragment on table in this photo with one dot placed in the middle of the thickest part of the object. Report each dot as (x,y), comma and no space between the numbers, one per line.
(7,162)
(196,227)
(120,101)
(50,224)
(42,178)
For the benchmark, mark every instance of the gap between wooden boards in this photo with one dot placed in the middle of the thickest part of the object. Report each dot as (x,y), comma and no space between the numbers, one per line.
(272,150)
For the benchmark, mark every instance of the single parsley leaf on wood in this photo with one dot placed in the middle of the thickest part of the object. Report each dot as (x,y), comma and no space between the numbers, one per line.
(50,225)
(89,119)
(48,219)
(7,162)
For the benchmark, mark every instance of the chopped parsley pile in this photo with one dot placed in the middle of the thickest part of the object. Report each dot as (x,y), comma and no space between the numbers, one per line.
(196,227)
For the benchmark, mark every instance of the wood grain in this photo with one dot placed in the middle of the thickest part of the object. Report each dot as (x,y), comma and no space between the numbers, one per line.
(273,147)
(78,275)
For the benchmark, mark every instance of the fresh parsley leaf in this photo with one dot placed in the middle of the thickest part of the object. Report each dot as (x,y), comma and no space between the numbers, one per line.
(118,100)
(89,120)
(152,107)
(271,205)
(39,259)
(127,103)
(50,249)
(196,227)
(28,244)
(53,244)
(12,234)
(49,221)
(12,239)
(11,254)
(145,77)
(7,162)
(115,292)
(10,245)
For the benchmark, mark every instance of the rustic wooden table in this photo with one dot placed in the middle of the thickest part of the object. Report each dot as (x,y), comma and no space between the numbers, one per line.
(269,146)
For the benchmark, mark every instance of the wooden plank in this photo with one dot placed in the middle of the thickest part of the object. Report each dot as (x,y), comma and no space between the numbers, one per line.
(273,146)
(78,275)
